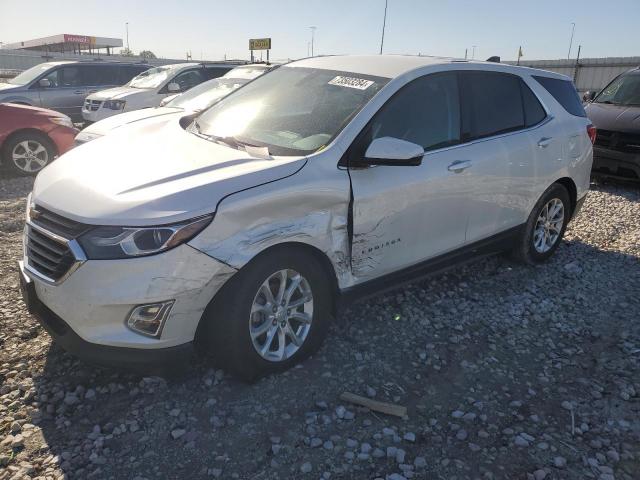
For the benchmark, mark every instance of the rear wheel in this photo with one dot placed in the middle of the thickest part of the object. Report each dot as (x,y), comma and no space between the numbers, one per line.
(29,152)
(545,227)
(271,315)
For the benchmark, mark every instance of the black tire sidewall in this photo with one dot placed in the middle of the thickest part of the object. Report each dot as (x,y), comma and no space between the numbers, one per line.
(227,330)
(11,142)
(554,191)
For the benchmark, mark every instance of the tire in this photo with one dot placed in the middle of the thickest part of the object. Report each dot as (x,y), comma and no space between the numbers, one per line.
(27,153)
(533,248)
(228,318)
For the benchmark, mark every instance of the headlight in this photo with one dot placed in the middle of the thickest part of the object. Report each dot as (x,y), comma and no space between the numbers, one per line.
(114,104)
(63,121)
(104,243)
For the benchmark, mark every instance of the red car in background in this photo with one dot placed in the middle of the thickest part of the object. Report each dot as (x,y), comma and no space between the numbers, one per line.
(31,137)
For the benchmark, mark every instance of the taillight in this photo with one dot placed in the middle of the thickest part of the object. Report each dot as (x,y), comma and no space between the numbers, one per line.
(591,131)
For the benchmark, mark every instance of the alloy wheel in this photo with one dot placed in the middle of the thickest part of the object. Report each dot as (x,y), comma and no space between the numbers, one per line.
(281,315)
(548,226)
(30,156)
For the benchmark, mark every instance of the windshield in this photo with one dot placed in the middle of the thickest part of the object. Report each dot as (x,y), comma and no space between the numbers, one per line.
(206,94)
(248,73)
(624,90)
(152,78)
(291,111)
(30,75)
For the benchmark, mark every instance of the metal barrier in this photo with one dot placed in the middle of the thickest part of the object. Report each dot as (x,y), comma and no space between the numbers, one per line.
(587,73)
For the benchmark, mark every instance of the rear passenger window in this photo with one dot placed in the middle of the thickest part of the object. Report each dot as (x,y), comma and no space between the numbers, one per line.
(533,111)
(564,92)
(99,75)
(426,112)
(492,104)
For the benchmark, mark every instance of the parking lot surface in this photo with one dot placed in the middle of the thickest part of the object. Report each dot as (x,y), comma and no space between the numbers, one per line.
(507,372)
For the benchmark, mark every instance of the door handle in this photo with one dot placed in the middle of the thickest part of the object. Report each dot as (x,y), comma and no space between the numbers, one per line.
(544,142)
(459,165)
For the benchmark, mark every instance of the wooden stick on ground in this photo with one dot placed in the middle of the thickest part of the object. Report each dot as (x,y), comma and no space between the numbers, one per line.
(382,407)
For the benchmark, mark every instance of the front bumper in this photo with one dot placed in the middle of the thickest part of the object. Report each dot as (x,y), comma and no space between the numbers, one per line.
(107,355)
(614,163)
(91,305)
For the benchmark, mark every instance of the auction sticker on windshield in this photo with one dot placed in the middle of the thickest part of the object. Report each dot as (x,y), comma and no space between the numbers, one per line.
(351,82)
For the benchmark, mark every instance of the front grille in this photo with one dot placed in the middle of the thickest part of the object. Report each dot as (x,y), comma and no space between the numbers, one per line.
(57,223)
(92,105)
(620,141)
(50,256)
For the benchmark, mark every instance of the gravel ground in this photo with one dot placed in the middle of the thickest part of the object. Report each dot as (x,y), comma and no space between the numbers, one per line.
(507,372)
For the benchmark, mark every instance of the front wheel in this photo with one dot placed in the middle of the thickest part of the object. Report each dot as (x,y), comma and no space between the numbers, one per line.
(545,227)
(271,315)
(28,153)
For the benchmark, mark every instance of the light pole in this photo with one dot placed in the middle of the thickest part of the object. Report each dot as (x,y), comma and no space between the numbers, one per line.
(126,25)
(384,24)
(473,51)
(573,29)
(313,33)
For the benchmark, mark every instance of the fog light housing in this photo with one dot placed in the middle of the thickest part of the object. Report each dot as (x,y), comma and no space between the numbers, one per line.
(149,319)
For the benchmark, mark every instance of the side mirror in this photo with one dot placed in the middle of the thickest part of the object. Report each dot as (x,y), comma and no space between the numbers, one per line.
(589,96)
(173,87)
(44,83)
(393,152)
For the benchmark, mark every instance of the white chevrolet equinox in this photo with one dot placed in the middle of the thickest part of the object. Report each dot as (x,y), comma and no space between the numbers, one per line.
(244,230)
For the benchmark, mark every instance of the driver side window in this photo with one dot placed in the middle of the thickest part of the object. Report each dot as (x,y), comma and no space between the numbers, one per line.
(64,77)
(425,112)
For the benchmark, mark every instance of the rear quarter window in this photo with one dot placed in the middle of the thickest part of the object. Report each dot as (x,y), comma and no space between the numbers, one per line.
(565,94)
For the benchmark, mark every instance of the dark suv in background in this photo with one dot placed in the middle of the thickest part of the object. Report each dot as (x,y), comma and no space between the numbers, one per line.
(63,86)
(615,112)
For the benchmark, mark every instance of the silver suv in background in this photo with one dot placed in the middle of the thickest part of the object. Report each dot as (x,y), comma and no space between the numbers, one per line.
(63,86)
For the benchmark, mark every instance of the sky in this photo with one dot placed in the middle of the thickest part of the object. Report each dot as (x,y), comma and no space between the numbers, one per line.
(211,29)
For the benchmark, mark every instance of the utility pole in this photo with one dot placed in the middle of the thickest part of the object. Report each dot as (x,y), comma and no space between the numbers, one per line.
(465,53)
(384,24)
(473,51)
(126,25)
(313,34)
(573,29)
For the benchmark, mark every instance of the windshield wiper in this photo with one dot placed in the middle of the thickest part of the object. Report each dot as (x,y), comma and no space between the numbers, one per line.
(232,142)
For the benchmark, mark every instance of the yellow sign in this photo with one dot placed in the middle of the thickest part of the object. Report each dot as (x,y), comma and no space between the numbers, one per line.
(260,44)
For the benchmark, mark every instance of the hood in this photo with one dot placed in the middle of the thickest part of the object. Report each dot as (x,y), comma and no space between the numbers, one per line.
(102,127)
(5,87)
(152,173)
(116,93)
(619,118)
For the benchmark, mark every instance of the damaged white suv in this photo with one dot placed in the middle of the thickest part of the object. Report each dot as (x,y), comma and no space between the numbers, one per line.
(244,230)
